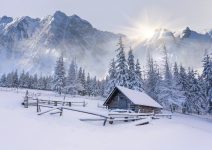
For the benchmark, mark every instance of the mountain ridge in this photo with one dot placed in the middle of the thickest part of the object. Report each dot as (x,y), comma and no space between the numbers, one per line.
(32,40)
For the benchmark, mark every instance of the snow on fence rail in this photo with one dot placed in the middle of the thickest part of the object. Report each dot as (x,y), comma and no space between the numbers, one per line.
(33,100)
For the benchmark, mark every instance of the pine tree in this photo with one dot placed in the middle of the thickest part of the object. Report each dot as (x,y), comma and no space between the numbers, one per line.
(88,85)
(168,75)
(167,94)
(121,66)
(178,95)
(40,83)
(3,81)
(195,101)
(176,72)
(131,70)
(35,82)
(111,80)
(10,79)
(94,87)
(22,79)
(139,81)
(153,79)
(59,75)
(80,82)
(207,76)
(71,80)
(15,82)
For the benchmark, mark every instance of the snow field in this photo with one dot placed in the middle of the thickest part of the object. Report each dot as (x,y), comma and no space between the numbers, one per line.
(23,129)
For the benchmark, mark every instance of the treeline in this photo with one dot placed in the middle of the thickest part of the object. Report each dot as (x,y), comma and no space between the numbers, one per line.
(25,80)
(74,81)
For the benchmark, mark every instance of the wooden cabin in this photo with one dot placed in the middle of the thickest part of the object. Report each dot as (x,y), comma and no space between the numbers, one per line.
(124,98)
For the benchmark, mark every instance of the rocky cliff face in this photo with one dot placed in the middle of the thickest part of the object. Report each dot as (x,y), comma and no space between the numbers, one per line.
(35,43)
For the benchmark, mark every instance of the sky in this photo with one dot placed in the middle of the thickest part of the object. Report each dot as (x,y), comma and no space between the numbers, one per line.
(120,15)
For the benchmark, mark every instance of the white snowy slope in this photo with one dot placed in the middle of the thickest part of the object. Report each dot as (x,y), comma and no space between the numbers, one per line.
(22,129)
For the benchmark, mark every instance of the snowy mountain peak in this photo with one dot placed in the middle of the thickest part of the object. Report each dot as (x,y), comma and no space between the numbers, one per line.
(6,19)
(59,14)
(189,34)
(162,34)
(186,33)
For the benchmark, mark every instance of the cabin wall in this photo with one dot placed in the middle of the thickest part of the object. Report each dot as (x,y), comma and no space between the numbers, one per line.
(147,109)
(119,101)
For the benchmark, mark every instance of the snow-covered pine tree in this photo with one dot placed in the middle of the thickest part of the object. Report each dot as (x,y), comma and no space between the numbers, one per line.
(207,76)
(88,86)
(182,81)
(168,74)
(26,80)
(59,75)
(22,79)
(81,82)
(103,87)
(202,93)
(111,80)
(15,82)
(3,82)
(134,74)
(121,66)
(182,84)
(131,70)
(40,83)
(49,80)
(153,79)
(138,69)
(10,79)
(195,101)
(71,80)
(139,81)
(35,81)
(179,96)
(167,94)
(176,73)
(94,87)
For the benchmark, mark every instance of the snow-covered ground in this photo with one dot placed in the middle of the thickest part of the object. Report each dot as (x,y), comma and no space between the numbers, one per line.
(23,129)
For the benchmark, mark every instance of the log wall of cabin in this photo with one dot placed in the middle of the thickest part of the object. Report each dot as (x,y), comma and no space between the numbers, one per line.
(119,101)
(147,109)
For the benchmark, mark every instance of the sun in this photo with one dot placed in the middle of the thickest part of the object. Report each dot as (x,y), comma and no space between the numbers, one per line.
(145,31)
(140,32)
(142,28)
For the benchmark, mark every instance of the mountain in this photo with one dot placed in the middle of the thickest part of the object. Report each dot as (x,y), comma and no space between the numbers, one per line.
(186,47)
(36,43)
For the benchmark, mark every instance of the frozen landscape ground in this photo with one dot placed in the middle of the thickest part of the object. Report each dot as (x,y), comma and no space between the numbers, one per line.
(23,129)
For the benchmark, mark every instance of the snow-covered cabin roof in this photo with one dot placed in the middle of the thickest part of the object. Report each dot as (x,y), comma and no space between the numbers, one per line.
(137,97)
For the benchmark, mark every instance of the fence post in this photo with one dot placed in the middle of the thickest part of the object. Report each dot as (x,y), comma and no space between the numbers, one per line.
(84,104)
(26,100)
(38,105)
